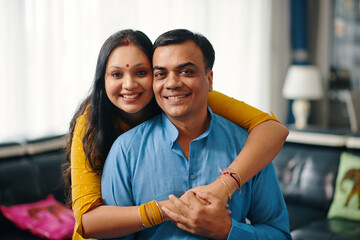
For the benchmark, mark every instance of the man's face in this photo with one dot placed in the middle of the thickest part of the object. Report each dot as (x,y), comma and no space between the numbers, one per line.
(181,83)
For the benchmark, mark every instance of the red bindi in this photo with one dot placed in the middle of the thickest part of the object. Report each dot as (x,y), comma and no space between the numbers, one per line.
(127,65)
(127,42)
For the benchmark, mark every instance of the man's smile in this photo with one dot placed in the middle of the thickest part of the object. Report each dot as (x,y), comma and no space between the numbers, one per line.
(176,96)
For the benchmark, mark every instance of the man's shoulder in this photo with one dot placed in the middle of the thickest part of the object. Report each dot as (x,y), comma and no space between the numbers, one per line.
(220,122)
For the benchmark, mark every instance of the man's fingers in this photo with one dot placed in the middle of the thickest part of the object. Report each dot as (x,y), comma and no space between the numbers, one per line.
(185,227)
(173,215)
(179,204)
(208,197)
(193,201)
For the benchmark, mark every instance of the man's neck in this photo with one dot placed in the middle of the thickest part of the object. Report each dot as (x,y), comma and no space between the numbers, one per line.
(190,128)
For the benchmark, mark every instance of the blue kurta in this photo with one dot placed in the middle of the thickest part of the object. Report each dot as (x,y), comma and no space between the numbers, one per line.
(147,163)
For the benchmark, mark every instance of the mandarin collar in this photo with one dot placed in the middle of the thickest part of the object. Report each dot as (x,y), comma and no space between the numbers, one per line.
(172,131)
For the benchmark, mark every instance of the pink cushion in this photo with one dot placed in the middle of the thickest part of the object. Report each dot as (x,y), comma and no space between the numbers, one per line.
(46,218)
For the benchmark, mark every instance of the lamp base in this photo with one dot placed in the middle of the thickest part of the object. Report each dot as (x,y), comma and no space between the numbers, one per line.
(301,110)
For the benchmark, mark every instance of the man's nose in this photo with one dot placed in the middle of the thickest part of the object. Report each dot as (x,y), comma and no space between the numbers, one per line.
(173,81)
(129,82)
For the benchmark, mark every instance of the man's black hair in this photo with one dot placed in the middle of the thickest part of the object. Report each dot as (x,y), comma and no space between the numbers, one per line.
(178,36)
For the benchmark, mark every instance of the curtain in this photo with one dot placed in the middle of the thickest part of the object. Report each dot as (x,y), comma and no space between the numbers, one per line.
(49,52)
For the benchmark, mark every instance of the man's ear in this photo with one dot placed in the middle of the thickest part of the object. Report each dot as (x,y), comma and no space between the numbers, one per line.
(209,76)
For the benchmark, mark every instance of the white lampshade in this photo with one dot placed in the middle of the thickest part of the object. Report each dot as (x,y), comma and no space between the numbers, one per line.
(303,82)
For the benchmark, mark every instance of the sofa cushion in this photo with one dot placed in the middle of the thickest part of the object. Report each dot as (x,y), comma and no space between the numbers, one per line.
(301,215)
(346,203)
(46,218)
(328,229)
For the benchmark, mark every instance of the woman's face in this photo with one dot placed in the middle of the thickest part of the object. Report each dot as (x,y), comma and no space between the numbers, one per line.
(128,78)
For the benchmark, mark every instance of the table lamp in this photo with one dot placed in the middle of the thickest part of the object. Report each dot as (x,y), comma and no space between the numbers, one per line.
(302,83)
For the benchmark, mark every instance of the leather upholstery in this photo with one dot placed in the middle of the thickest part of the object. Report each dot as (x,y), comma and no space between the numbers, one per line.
(328,229)
(307,175)
(27,177)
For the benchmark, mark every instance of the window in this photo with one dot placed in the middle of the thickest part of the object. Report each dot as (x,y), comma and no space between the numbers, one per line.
(49,51)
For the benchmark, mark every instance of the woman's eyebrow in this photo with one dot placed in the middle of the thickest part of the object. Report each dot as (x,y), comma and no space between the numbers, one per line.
(118,67)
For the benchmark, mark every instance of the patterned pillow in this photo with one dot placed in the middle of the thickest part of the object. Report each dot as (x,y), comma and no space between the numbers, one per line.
(46,218)
(346,202)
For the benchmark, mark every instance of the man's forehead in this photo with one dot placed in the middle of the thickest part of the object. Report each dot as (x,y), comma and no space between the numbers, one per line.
(182,52)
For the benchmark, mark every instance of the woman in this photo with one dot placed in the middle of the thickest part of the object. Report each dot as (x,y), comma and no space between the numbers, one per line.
(122,98)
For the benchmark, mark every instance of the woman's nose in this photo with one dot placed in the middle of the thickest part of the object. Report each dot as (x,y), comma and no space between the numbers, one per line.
(129,83)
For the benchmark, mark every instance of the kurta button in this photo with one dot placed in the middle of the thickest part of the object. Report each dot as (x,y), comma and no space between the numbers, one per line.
(192,177)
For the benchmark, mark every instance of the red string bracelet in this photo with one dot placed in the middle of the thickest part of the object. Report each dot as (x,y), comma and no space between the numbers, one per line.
(233,179)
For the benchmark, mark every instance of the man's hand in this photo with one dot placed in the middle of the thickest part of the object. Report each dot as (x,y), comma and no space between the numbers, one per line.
(211,219)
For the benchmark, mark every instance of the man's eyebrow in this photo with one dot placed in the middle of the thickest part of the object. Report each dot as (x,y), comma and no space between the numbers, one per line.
(185,65)
(158,68)
(180,66)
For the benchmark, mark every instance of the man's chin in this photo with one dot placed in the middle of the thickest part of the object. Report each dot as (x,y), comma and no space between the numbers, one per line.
(174,113)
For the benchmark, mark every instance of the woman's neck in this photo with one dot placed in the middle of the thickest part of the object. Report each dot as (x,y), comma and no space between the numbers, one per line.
(134,119)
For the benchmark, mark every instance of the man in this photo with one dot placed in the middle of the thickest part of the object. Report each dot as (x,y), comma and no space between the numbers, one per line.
(184,148)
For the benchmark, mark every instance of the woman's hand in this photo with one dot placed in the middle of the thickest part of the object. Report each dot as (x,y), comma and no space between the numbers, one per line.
(218,189)
(200,213)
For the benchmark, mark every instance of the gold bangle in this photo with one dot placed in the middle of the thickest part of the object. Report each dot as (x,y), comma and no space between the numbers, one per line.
(150,214)
(161,214)
(143,216)
(155,212)
(142,222)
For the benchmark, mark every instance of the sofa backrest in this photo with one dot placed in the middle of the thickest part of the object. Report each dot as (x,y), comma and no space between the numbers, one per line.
(33,174)
(308,163)
(307,173)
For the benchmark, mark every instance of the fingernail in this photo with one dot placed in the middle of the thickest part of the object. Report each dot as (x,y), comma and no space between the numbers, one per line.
(164,209)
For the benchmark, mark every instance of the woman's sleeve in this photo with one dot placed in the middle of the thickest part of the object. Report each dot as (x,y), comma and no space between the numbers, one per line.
(85,184)
(236,111)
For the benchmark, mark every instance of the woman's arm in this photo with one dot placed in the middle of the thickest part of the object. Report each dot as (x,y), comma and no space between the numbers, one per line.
(114,221)
(266,137)
(85,184)
(92,218)
(111,221)
(262,145)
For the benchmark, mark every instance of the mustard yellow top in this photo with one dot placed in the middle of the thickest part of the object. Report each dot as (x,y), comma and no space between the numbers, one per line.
(86,190)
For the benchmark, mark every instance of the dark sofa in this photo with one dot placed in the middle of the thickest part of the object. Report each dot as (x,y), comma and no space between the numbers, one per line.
(307,168)
(29,171)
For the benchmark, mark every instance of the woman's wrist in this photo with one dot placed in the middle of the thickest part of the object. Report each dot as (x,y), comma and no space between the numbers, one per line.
(165,203)
(223,187)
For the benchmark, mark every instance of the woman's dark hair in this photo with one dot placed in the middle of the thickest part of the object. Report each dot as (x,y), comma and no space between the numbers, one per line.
(182,35)
(101,126)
